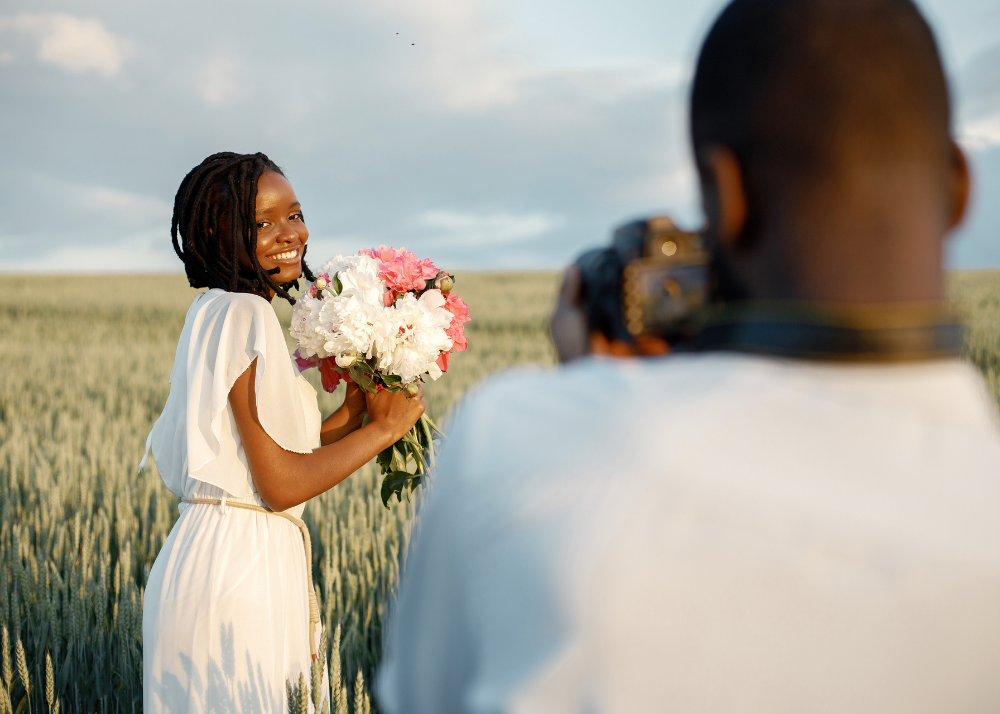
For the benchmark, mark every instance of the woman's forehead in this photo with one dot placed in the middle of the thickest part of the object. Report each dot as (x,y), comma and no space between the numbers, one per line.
(274,192)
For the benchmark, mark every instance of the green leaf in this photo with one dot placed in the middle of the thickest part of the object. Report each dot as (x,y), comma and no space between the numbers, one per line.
(338,287)
(416,452)
(361,378)
(426,437)
(395,482)
(391,379)
(399,456)
(431,424)
(385,460)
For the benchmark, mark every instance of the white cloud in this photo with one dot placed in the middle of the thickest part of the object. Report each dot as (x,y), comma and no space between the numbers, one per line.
(446,137)
(72,43)
(124,205)
(111,206)
(612,82)
(472,229)
(981,133)
(217,80)
(146,251)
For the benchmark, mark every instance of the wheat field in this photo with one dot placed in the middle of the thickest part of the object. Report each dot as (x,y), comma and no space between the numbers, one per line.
(84,363)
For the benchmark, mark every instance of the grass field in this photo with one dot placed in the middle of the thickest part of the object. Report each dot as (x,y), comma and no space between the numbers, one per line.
(83,375)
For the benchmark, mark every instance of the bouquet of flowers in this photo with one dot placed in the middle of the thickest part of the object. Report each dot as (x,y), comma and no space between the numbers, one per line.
(383,319)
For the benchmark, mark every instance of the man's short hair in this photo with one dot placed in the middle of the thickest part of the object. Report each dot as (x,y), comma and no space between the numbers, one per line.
(796,88)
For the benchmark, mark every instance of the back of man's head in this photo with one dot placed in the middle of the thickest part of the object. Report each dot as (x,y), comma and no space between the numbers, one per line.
(828,106)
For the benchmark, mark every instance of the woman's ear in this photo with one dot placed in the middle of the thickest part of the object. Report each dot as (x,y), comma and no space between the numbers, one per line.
(960,186)
(724,194)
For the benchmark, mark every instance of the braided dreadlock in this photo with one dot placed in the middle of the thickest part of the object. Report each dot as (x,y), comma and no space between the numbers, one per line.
(217,201)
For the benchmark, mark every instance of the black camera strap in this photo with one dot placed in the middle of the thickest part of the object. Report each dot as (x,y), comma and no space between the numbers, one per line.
(858,333)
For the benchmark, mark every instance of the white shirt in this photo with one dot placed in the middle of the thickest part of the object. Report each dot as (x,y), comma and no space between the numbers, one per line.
(709,533)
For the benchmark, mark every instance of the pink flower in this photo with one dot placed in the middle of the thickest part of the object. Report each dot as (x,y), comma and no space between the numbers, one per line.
(328,370)
(312,288)
(402,271)
(456,330)
(331,374)
(303,363)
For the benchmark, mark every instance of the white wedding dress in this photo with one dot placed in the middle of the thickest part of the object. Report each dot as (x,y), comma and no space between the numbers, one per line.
(226,609)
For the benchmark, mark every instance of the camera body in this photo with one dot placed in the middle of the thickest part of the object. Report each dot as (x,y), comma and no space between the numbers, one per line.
(648,283)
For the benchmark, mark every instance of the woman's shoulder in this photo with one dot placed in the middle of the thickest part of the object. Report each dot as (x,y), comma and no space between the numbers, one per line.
(223,300)
(235,317)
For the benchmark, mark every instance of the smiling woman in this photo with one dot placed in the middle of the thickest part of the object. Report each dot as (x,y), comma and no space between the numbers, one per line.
(229,612)
(240,204)
(281,230)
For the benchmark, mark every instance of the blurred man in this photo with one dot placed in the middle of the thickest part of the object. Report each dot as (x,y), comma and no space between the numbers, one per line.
(801,516)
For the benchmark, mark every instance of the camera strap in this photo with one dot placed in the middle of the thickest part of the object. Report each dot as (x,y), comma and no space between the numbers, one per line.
(896,332)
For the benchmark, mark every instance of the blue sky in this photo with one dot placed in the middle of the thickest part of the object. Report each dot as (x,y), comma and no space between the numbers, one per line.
(485,134)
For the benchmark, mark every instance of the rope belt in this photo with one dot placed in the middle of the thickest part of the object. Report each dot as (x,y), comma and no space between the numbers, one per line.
(313,605)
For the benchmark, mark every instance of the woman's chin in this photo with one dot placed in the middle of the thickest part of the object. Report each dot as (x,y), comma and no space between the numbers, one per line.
(288,274)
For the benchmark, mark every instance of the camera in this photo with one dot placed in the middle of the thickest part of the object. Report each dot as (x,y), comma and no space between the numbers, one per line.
(648,283)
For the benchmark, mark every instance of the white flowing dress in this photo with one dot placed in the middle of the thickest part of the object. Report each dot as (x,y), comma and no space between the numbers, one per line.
(226,609)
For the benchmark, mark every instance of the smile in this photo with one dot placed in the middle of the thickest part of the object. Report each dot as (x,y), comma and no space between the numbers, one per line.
(287,255)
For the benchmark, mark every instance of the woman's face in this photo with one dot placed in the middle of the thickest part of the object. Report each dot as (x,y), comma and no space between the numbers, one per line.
(281,231)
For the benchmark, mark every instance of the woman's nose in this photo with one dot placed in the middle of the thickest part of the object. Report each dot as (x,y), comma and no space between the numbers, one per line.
(288,234)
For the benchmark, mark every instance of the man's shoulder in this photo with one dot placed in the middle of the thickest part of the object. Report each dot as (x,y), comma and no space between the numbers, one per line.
(599,409)
(574,416)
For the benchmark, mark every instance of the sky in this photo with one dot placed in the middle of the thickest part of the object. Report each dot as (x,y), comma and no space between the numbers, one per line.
(485,134)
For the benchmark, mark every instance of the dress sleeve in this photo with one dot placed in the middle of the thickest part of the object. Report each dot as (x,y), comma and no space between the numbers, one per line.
(227,335)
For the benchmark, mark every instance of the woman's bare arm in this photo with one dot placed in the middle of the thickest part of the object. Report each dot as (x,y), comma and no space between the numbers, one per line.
(285,479)
(347,418)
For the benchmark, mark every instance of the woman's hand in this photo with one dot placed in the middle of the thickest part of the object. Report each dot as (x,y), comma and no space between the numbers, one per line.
(396,412)
(355,401)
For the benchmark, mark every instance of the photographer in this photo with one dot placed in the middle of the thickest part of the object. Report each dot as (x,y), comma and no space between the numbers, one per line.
(799,515)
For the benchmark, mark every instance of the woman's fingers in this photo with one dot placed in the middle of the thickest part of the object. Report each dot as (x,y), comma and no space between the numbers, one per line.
(396,410)
(568,324)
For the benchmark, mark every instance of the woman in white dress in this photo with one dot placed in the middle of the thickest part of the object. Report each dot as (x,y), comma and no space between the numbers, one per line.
(229,613)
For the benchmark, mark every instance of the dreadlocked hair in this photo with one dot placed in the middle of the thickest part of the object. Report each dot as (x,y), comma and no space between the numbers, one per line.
(217,202)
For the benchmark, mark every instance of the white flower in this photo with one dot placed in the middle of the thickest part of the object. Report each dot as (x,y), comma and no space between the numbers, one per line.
(342,323)
(348,323)
(358,274)
(411,336)
(405,339)
(346,360)
(305,327)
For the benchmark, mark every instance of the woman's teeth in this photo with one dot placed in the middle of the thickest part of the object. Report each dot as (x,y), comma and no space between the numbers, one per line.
(287,255)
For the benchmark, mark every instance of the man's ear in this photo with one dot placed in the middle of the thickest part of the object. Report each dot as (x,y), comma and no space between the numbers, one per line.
(725,198)
(960,186)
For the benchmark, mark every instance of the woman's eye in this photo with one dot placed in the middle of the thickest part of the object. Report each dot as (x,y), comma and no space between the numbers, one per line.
(296,217)
(262,224)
